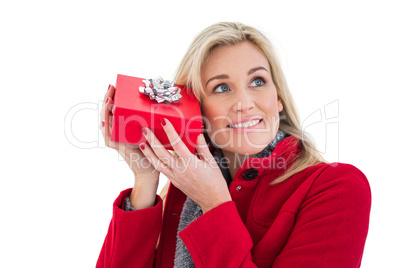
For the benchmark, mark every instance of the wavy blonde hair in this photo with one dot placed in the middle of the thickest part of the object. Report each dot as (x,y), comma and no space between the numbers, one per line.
(230,33)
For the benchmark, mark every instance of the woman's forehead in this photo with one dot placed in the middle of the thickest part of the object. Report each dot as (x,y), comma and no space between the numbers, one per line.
(240,57)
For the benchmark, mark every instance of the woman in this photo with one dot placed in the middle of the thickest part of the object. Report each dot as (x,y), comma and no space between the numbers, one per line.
(256,195)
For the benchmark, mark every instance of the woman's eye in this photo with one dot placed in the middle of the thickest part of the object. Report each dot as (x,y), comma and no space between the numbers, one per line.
(257,82)
(221,88)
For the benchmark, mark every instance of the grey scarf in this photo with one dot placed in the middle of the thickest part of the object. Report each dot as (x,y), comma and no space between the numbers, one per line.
(192,210)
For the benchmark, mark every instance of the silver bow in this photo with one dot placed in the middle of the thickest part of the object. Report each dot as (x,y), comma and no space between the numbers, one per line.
(161,90)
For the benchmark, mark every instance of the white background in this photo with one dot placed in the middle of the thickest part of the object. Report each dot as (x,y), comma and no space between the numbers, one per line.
(58,57)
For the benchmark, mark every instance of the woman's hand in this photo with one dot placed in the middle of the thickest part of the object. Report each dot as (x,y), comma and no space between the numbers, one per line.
(146,176)
(199,178)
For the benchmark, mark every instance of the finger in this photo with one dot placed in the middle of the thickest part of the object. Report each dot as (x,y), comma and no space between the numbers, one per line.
(178,145)
(105,114)
(108,116)
(203,149)
(155,161)
(109,94)
(106,122)
(110,119)
(132,146)
(158,148)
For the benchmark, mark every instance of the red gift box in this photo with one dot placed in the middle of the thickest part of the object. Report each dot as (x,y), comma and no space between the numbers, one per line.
(133,110)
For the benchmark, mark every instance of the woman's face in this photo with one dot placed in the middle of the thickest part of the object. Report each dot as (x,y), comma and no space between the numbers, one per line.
(241,106)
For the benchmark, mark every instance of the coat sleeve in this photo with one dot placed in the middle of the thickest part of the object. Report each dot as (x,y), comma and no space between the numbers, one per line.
(219,238)
(132,236)
(331,225)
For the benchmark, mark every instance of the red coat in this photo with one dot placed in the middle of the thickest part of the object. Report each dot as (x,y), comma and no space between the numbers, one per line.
(317,218)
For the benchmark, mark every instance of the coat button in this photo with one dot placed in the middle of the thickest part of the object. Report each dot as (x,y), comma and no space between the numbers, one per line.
(250,174)
(238,188)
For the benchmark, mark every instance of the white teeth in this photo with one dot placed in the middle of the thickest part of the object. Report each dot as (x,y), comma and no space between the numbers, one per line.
(245,124)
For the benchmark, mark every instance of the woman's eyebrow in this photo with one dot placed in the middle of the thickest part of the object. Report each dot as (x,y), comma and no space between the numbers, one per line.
(225,76)
(256,69)
(219,76)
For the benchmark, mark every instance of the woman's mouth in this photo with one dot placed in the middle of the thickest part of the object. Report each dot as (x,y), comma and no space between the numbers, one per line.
(247,124)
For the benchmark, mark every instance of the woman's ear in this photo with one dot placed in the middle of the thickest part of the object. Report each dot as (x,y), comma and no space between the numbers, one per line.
(280,105)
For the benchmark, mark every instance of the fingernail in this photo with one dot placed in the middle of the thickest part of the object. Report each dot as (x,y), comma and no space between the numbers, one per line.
(142,146)
(109,87)
(107,100)
(144,131)
(163,122)
(103,123)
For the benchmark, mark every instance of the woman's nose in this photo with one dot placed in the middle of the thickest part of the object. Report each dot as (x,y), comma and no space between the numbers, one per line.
(243,101)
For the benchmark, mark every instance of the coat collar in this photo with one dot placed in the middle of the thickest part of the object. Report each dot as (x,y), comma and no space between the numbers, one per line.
(275,159)
(282,157)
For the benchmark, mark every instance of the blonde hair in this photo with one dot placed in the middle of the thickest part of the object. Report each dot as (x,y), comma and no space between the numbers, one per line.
(230,33)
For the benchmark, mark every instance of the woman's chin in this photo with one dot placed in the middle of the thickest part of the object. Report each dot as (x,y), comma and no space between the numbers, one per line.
(245,150)
(244,145)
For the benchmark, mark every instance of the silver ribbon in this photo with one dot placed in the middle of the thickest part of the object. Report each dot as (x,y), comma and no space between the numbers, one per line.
(161,90)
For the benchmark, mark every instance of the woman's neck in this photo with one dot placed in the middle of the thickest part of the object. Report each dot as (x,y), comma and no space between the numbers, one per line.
(234,160)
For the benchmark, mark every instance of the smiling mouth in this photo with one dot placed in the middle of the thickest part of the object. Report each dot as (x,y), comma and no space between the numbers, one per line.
(246,124)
